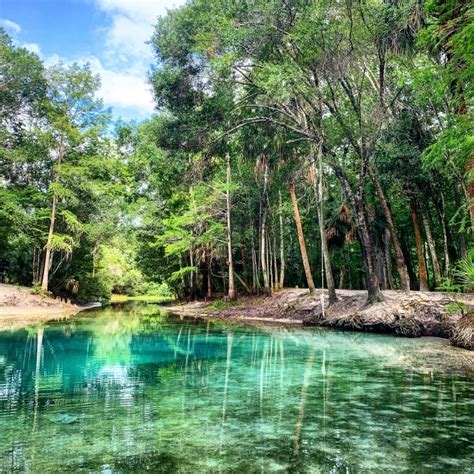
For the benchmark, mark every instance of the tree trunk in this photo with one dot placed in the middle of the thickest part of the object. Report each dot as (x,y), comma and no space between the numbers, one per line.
(243,255)
(409,262)
(380,265)
(255,283)
(374,294)
(299,229)
(318,193)
(427,260)
(423,279)
(269,261)
(462,240)
(282,247)
(399,257)
(275,263)
(183,284)
(223,274)
(36,265)
(231,295)
(192,291)
(263,256)
(373,288)
(209,278)
(388,258)
(342,272)
(432,249)
(442,218)
(243,283)
(470,185)
(47,257)
(347,259)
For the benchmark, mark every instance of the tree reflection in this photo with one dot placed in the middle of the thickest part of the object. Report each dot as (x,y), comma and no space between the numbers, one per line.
(139,385)
(303,396)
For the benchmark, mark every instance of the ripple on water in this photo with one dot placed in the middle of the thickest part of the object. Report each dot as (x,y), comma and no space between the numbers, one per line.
(134,389)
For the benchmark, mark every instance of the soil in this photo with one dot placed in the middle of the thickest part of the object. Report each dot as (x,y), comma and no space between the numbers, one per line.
(20,307)
(411,314)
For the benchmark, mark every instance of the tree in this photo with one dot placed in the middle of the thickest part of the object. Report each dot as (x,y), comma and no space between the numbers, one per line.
(231,295)
(299,229)
(74,117)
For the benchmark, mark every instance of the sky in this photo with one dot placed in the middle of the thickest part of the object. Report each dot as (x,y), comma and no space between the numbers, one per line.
(109,34)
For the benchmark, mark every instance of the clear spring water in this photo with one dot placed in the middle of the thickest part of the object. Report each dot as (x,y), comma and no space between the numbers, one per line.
(130,389)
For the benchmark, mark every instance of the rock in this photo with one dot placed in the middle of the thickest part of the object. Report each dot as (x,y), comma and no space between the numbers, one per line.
(63,418)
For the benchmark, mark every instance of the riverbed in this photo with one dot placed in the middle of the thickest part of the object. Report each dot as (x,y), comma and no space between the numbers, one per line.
(131,388)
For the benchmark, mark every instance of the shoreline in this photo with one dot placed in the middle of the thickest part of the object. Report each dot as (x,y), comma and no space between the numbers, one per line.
(20,307)
(412,314)
(16,317)
(409,314)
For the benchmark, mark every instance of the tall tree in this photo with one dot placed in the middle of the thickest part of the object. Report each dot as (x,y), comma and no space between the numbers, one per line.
(75,115)
(299,230)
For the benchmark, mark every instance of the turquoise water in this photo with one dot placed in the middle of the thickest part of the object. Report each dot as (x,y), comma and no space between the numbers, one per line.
(131,389)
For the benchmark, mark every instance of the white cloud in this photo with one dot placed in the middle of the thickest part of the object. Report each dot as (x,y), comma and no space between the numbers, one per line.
(129,37)
(33,47)
(123,89)
(128,93)
(126,57)
(144,9)
(10,25)
(131,26)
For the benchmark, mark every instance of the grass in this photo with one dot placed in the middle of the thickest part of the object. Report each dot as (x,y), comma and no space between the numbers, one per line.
(221,304)
(145,298)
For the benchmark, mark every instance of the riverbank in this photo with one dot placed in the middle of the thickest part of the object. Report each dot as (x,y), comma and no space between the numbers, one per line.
(19,307)
(412,314)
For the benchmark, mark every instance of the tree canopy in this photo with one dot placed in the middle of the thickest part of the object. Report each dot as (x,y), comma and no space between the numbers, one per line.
(302,143)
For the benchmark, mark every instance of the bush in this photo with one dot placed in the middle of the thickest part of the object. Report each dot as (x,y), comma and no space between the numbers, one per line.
(161,290)
(37,290)
(94,289)
(464,272)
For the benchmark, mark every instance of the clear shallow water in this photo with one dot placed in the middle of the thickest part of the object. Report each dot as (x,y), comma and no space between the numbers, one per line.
(131,389)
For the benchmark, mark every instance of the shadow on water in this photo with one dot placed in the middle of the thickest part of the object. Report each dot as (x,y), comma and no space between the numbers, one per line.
(129,388)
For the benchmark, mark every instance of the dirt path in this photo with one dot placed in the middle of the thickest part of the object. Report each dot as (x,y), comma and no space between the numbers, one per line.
(19,307)
(410,314)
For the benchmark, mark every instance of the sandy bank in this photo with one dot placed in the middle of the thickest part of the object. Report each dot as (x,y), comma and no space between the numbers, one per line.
(19,307)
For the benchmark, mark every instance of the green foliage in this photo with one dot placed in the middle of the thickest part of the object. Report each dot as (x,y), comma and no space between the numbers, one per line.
(141,209)
(37,290)
(464,272)
(94,288)
(158,290)
(220,305)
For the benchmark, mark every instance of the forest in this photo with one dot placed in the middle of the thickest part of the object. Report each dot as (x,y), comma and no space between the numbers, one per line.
(296,143)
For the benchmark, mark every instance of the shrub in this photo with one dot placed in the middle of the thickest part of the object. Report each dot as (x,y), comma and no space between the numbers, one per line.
(94,289)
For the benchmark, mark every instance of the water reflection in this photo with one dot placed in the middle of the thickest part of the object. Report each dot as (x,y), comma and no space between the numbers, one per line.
(130,389)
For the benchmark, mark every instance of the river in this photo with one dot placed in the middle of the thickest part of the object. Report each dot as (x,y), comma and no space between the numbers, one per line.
(130,388)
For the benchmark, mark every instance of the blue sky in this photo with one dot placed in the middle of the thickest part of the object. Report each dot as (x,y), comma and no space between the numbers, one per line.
(109,34)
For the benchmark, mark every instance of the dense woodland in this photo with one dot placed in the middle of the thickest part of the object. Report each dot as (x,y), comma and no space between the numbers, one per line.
(310,143)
